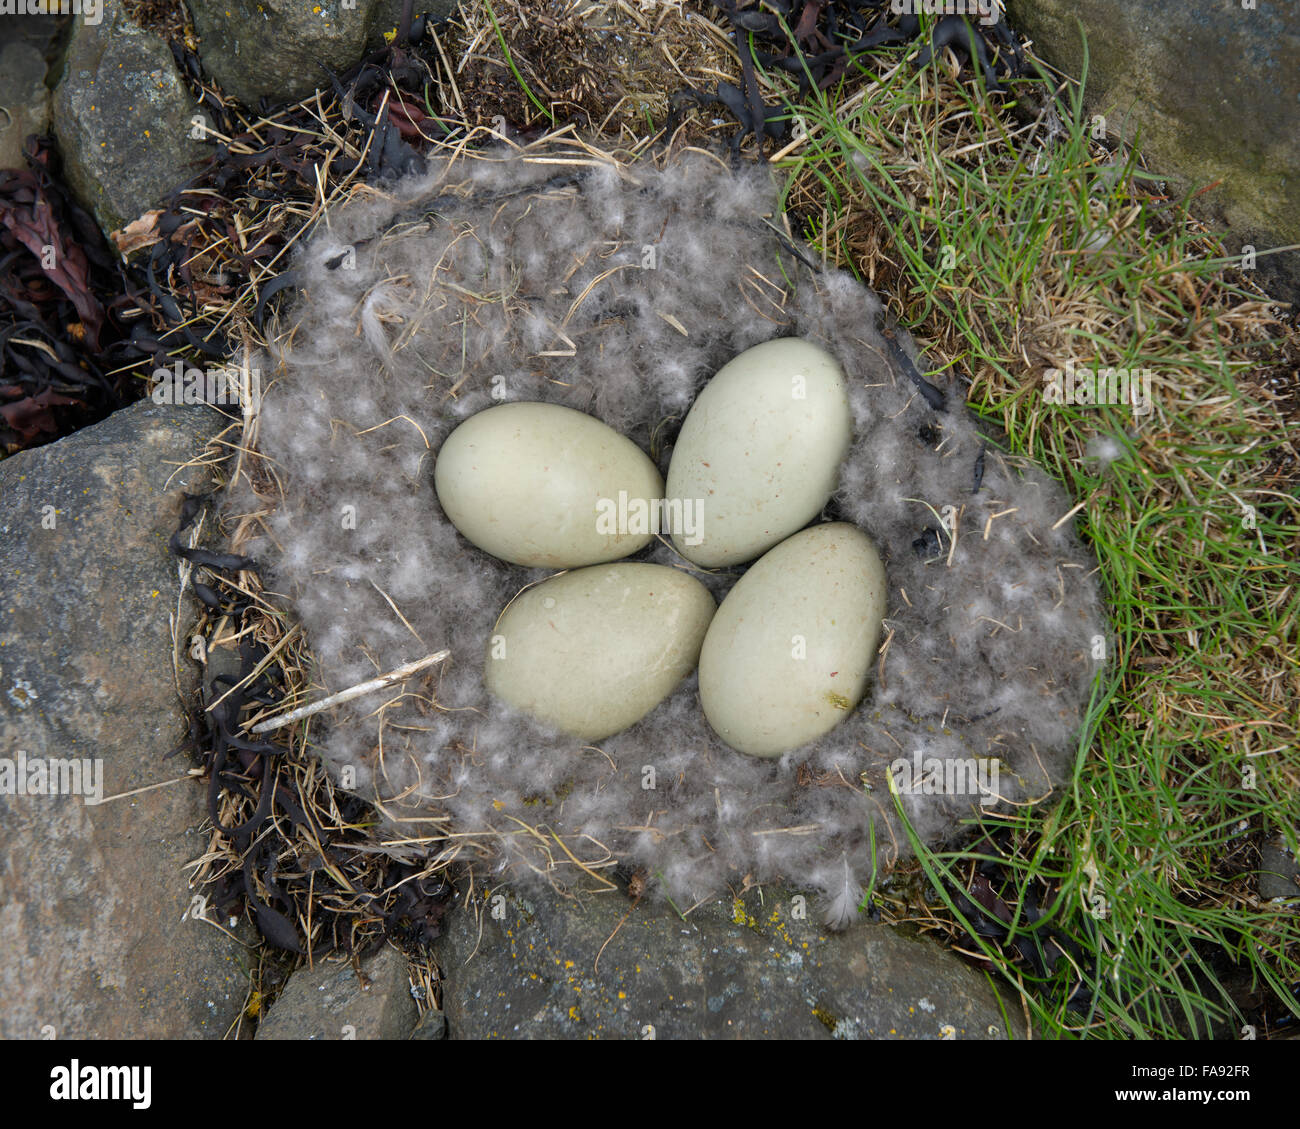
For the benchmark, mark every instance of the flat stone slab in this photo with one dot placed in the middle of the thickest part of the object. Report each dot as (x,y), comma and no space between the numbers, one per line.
(96,927)
(328,1001)
(758,968)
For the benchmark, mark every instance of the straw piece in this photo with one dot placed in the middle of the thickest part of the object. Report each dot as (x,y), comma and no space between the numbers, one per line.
(357,691)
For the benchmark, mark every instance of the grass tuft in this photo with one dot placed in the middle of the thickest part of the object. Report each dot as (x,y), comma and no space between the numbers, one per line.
(1011,246)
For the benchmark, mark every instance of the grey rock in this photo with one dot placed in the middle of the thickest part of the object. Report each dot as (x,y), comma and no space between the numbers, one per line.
(1213,90)
(432,1025)
(387,15)
(328,1001)
(278,48)
(1279,871)
(41,31)
(123,119)
(749,970)
(94,901)
(25,98)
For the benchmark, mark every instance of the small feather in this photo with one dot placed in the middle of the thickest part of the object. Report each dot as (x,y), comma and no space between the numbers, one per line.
(843,909)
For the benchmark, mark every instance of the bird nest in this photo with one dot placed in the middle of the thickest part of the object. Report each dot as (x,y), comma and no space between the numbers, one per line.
(556,273)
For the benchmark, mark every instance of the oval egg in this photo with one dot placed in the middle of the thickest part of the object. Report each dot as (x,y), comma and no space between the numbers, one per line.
(789,651)
(540,484)
(593,651)
(759,453)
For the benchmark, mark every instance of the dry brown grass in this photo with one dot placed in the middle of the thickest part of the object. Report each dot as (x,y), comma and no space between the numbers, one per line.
(608,69)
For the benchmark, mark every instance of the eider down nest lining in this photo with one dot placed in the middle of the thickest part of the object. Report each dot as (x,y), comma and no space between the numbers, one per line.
(551,274)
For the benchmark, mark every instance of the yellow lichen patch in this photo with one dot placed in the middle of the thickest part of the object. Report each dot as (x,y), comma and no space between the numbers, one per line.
(778,926)
(825,1018)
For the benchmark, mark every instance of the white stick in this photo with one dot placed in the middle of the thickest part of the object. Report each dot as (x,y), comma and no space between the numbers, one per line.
(351,692)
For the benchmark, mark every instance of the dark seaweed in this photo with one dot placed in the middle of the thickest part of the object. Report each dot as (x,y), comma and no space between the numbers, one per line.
(932,395)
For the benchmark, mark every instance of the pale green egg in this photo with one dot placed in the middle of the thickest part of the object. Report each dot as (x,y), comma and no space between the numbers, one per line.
(759,453)
(545,486)
(593,651)
(789,652)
